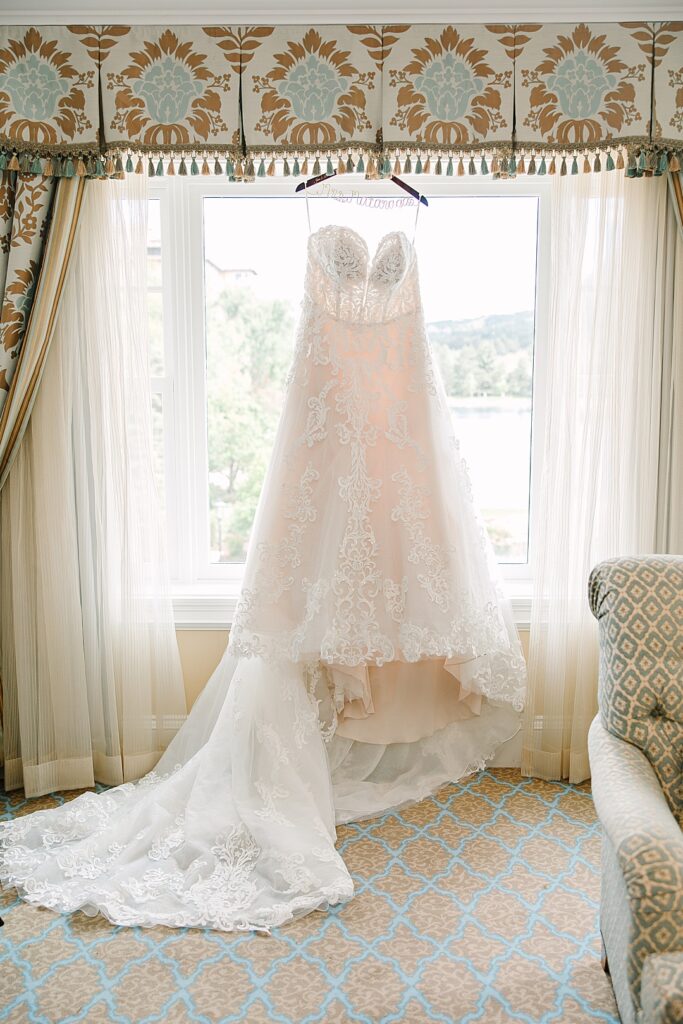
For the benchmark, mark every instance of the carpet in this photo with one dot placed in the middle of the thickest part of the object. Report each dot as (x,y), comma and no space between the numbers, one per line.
(479,904)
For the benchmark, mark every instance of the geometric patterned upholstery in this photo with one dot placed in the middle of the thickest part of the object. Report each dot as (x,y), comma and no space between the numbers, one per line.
(638,603)
(662,994)
(652,869)
(641,906)
(636,755)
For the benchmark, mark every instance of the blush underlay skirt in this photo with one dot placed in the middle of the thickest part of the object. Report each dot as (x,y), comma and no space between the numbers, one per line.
(404,728)
(400,702)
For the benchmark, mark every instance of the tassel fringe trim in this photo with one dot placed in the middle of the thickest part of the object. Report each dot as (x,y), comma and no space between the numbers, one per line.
(636,161)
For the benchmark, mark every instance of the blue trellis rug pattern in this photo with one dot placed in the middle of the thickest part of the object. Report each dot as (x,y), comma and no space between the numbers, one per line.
(479,904)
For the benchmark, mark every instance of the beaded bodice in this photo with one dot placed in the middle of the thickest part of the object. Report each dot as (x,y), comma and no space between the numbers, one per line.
(343,280)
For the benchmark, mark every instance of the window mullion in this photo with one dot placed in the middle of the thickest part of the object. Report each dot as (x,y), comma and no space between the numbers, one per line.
(196,363)
(180,443)
(538,400)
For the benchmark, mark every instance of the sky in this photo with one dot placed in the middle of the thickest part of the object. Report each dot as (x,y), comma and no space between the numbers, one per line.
(477,254)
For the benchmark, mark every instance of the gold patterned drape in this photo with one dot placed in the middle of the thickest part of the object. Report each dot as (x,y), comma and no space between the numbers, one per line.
(38,220)
(25,204)
(246,101)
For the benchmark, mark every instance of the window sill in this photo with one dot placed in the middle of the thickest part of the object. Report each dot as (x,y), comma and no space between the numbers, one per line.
(212,606)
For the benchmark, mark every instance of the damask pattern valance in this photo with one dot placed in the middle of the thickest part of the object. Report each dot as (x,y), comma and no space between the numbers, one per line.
(256,100)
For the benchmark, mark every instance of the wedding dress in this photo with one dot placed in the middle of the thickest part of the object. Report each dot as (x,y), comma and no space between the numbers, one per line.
(371,659)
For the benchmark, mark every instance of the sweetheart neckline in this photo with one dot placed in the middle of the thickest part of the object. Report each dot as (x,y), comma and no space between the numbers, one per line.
(370,263)
(366,247)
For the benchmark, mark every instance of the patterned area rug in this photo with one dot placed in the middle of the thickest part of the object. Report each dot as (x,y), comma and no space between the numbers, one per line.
(480,904)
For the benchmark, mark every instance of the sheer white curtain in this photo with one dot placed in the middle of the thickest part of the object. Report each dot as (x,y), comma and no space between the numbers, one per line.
(670,488)
(90,669)
(600,453)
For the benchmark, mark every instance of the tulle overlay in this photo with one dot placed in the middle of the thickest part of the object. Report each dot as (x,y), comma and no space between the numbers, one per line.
(372,657)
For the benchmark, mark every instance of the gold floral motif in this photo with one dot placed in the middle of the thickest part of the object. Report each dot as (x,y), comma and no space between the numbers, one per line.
(165,91)
(448,94)
(668,80)
(15,307)
(378,40)
(24,204)
(24,208)
(582,92)
(676,83)
(513,38)
(239,44)
(314,95)
(7,195)
(654,38)
(99,39)
(41,92)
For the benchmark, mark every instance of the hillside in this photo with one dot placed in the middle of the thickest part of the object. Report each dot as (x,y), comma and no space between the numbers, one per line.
(492,355)
(507,332)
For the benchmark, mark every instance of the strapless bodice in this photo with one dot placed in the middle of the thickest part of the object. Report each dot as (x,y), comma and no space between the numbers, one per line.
(346,282)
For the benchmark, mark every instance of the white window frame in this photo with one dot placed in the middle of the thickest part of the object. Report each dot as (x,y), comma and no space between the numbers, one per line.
(205,595)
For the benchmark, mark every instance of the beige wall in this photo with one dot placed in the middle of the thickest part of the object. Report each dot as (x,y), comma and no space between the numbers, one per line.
(201,650)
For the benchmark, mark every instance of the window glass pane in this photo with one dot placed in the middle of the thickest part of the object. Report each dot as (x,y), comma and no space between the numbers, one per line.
(479,300)
(154,293)
(478,273)
(250,288)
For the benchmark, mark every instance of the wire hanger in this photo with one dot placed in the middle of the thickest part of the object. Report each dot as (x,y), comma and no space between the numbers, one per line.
(397,181)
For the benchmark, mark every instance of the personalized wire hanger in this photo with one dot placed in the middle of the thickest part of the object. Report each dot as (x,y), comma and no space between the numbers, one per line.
(304,186)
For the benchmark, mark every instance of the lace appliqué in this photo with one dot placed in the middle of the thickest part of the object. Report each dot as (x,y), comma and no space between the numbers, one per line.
(316,429)
(220,897)
(357,579)
(274,560)
(398,434)
(170,839)
(395,598)
(411,511)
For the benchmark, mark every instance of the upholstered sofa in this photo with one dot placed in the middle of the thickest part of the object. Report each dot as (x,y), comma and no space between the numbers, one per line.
(636,755)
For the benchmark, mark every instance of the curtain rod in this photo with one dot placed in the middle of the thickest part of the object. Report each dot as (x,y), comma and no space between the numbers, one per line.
(26,15)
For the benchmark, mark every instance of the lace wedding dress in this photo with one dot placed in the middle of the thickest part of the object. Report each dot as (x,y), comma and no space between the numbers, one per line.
(371,659)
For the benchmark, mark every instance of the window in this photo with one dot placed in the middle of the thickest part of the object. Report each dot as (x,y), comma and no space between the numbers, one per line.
(227,264)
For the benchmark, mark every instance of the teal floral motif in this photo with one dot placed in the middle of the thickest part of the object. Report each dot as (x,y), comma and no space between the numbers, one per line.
(34,88)
(312,87)
(167,95)
(448,93)
(313,94)
(582,92)
(168,89)
(448,84)
(581,82)
(42,95)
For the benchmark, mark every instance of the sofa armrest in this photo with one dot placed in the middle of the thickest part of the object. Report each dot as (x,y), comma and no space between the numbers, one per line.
(662,989)
(648,844)
(638,821)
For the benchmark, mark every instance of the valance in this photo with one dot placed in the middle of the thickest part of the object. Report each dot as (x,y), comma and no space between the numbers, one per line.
(248,101)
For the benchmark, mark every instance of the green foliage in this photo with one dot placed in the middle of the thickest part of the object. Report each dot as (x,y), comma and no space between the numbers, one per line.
(490,356)
(248,353)
(519,378)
